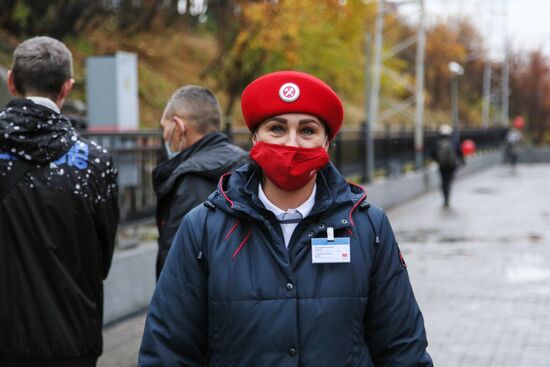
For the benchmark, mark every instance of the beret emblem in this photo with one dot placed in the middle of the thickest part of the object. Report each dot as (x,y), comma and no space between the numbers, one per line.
(289,92)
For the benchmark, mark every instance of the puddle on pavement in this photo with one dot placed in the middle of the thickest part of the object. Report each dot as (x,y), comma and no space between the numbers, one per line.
(532,237)
(452,239)
(432,235)
(435,236)
(485,190)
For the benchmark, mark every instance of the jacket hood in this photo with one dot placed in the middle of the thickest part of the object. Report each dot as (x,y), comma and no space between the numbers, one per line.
(34,133)
(237,194)
(210,157)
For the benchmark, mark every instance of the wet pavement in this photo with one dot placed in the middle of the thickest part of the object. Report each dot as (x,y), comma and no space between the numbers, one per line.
(479,270)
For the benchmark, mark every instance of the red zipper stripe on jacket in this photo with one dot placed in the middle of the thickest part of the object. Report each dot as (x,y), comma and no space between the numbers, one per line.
(232,229)
(242,244)
(221,188)
(357,203)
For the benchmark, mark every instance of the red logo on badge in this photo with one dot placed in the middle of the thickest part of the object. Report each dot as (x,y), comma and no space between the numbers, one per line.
(344,255)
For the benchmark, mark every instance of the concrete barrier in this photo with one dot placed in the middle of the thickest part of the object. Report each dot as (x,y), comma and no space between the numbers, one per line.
(388,193)
(131,281)
(534,155)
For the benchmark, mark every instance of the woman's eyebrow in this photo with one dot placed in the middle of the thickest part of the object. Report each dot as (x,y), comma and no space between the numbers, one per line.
(305,121)
(278,119)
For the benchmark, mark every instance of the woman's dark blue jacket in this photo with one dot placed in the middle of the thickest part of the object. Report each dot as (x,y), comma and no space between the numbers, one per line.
(231,294)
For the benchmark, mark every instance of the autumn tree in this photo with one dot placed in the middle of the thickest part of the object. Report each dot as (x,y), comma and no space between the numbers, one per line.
(57,18)
(321,37)
(530,85)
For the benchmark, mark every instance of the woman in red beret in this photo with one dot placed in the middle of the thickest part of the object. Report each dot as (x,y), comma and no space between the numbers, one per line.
(286,264)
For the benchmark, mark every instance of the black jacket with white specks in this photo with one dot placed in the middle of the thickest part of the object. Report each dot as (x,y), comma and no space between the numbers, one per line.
(57,231)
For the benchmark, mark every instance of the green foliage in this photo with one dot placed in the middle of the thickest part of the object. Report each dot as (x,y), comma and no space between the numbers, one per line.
(21,14)
(243,39)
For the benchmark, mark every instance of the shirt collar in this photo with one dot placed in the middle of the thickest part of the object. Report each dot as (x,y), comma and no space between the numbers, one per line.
(303,209)
(46,102)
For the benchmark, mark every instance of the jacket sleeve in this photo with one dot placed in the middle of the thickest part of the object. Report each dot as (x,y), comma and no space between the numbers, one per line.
(394,326)
(176,327)
(107,217)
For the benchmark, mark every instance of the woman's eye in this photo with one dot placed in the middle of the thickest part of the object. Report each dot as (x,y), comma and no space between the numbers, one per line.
(308,131)
(276,129)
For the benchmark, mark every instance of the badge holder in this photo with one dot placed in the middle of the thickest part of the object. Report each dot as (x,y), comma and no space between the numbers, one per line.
(330,250)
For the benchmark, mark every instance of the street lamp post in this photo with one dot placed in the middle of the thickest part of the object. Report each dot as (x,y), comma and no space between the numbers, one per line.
(456,71)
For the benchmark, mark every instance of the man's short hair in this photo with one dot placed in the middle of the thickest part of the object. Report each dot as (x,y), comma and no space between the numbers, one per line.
(197,104)
(41,65)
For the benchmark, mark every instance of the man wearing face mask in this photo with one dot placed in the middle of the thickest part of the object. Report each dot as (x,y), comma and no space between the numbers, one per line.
(198,154)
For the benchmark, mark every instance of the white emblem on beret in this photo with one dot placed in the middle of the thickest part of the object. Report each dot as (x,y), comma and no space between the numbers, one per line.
(289,92)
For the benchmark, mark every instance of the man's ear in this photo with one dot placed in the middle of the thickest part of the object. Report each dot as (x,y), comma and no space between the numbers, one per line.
(11,85)
(254,138)
(180,124)
(65,89)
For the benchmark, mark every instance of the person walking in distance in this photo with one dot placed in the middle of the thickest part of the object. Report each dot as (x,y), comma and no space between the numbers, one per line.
(58,218)
(448,156)
(198,154)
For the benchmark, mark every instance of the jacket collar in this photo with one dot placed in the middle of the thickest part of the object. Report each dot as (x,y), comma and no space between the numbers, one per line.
(335,201)
(46,102)
(35,133)
(188,160)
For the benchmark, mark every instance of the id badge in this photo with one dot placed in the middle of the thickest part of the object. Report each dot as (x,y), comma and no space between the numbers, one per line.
(324,251)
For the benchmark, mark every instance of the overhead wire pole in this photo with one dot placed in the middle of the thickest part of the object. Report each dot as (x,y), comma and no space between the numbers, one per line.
(486,108)
(416,90)
(376,66)
(369,141)
(487,74)
(419,92)
(505,69)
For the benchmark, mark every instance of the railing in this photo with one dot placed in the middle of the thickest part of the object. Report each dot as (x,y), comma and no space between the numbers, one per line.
(136,154)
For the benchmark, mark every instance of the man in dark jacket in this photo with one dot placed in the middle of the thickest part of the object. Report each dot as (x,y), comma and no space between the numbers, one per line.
(58,218)
(198,154)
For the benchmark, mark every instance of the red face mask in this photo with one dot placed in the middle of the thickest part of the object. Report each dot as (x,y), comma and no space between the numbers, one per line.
(290,168)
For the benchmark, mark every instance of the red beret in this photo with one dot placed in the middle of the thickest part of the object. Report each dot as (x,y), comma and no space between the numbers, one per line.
(287,92)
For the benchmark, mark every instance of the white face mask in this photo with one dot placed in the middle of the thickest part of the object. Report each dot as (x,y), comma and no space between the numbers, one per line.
(169,152)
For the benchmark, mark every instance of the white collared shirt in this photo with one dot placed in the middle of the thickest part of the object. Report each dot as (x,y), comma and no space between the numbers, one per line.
(304,210)
(46,102)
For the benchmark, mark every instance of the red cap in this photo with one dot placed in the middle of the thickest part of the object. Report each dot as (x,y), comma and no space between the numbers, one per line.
(291,92)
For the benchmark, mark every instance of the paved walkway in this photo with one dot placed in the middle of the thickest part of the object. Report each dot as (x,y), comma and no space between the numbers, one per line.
(480,272)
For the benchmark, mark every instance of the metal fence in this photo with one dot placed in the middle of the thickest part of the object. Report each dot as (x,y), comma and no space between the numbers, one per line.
(136,154)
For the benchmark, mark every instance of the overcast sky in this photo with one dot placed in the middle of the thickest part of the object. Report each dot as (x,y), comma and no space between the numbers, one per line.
(528,21)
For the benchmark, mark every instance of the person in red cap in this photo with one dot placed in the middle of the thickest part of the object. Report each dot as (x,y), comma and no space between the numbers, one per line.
(286,264)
